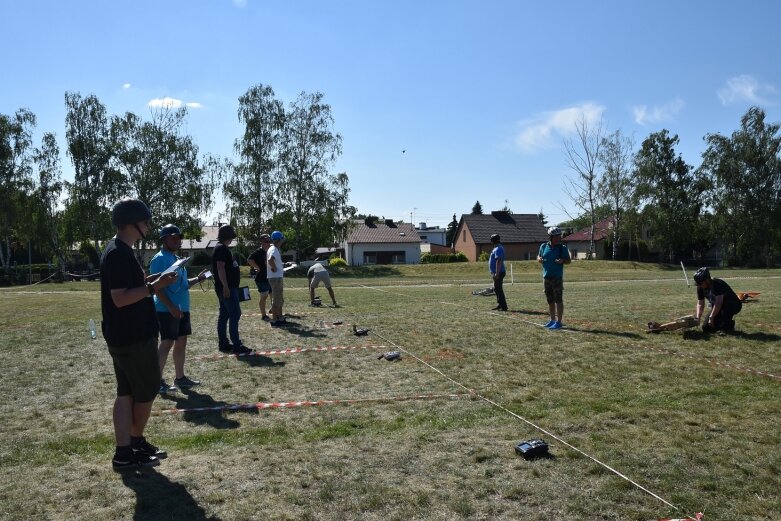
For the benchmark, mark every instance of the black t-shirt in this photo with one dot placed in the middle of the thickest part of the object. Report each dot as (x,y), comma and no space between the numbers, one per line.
(232,273)
(259,256)
(130,324)
(718,287)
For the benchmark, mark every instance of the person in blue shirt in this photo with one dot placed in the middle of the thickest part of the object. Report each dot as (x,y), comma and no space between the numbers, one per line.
(553,256)
(173,308)
(497,269)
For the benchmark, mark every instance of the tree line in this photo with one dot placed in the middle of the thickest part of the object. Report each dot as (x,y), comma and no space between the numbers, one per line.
(280,178)
(731,202)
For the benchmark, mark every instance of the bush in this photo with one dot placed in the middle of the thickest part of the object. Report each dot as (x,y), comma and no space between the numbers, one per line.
(484,257)
(337,261)
(442,258)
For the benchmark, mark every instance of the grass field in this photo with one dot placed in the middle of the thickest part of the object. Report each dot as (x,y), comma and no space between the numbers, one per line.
(688,418)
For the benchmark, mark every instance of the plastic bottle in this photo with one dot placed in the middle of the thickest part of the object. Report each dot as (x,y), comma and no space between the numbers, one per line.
(93,332)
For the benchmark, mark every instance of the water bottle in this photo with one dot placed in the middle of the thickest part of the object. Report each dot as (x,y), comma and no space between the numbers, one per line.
(93,332)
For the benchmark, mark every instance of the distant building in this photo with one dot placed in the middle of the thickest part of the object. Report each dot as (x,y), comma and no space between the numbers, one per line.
(372,241)
(578,242)
(521,234)
(431,237)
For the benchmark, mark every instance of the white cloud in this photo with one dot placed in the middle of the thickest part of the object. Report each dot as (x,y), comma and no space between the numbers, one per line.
(547,129)
(744,88)
(172,103)
(645,116)
(125,86)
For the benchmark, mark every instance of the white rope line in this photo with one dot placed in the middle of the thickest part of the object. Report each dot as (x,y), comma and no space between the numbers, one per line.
(532,424)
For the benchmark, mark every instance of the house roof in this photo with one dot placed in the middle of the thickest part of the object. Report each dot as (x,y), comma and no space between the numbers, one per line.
(382,232)
(208,239)
(512,228)
(601,231)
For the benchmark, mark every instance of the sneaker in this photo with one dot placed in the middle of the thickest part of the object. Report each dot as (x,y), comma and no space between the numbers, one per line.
(225,348)
(550,323)
(265,318)
(497,308)
(186,383)
(165,388)
(144,448)
(556,325)
(133,461)
(242,350)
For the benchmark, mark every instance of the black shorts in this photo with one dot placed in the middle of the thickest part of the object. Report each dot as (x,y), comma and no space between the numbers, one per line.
(137,369)
(171,327)
(554,289)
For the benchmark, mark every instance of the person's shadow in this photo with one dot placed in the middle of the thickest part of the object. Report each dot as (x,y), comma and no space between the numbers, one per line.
(259,361)
(190,399)
(159,498)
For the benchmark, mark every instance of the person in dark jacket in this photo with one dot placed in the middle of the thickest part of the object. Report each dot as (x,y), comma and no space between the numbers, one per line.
(724,303)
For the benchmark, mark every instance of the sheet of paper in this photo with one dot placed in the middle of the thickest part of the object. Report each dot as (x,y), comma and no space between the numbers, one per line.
(290,267)
(176,265)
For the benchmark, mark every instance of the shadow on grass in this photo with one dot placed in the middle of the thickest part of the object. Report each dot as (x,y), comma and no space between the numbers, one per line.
(301,330)
(158,498)
(192,400)
(529,312)
(622,334)
(259,361)
(756,336)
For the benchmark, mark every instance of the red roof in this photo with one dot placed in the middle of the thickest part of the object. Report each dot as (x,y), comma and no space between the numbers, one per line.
(602,231)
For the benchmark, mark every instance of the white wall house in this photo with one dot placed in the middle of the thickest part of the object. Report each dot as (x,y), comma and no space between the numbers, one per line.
(382,242)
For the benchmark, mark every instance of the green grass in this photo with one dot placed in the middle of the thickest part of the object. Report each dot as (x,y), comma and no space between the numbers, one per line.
(665,410)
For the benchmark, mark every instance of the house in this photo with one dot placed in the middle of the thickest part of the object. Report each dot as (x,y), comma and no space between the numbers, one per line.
(521,234)
(578,242)
(372,241)
(432,239)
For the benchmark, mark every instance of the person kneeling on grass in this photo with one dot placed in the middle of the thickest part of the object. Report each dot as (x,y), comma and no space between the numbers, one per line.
(724,303)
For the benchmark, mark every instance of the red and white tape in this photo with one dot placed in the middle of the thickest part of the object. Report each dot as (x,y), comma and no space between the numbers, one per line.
(697,517)
(287,351)
(311,403)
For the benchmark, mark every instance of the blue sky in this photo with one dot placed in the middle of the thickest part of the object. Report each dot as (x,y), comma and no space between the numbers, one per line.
(479,95)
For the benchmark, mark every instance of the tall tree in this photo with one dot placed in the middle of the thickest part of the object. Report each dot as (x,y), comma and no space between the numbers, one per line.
(450,232)
(251,186)
(582,155)
(746,173)
(95,185)
(616,186)
(16,183)
(477,209)
(159,164)
(543,218)
(306,188)
(672,193)
(48,193)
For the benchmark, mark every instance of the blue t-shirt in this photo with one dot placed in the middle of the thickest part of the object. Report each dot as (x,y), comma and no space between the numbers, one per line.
(549,254)
(178,292)
(496,253)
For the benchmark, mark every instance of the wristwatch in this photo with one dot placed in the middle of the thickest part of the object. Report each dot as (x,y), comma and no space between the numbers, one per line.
(151,288)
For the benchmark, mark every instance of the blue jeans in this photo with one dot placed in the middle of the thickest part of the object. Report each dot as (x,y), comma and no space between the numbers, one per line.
(230,313)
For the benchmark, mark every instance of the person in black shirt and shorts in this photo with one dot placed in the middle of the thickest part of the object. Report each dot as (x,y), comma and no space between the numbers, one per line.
(257,260)
(130,328)
(724,303)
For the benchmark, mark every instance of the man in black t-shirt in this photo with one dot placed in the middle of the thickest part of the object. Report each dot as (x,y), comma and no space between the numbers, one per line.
(130,328)
(724,303)
(226,284)
(258,263)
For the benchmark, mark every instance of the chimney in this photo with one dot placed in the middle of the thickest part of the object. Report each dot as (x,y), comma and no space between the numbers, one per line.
(390,223)
(422,226)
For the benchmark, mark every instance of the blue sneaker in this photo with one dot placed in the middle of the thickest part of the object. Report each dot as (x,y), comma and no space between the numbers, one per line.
(556,325)
(550,323)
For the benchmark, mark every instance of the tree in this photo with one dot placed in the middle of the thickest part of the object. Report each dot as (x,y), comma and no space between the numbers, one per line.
(450,232)
(312,200)
(745,170)
(543,218)
(159,164)
(582,157)
(671,192)
(16,183)
(616,185)
(477,209)
(252,184)
(48,193)
(96,186)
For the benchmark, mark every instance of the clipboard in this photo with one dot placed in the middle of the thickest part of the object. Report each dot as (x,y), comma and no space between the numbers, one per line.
(176,265)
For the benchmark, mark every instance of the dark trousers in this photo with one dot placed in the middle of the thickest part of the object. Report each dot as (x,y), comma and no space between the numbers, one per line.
(230,313)
(499,290)
(723,321)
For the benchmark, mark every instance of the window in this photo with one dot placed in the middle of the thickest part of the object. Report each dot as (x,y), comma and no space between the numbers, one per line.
(384,257)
